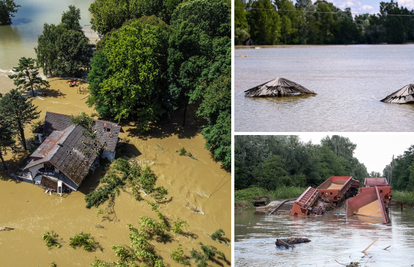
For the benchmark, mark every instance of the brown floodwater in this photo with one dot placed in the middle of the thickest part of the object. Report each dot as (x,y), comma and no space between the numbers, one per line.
(192,184)
(335,239)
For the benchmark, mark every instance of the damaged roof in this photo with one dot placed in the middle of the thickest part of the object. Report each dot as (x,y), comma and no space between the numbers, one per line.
(70,151)
(106,132)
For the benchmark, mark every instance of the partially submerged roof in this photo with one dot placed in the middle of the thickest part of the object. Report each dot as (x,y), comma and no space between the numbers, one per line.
(107,132)
(402,96)
(277,87)
(70,151)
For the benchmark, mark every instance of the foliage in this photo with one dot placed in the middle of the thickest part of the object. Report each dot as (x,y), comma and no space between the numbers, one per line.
(27,75)
(178,256)
(6,135)
(320,22)
(403,196)
(275,161)
(51,239)
(402,176)
(218,236)
(121,173)
(178,224)
(63,49)
(7,10)
(136,78)
(70,19)
(20,110)
(209,253)
(83,240)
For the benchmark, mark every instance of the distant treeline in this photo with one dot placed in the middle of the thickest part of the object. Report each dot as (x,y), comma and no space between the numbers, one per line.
(403,171)
(275,161)
(269,22)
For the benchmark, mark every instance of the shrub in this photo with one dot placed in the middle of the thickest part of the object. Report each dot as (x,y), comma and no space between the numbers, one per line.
(51,239)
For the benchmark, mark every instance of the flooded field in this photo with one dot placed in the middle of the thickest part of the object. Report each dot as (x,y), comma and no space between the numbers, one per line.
(199,184)
(335,240)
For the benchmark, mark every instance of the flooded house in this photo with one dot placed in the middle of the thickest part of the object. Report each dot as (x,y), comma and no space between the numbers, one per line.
(67,153)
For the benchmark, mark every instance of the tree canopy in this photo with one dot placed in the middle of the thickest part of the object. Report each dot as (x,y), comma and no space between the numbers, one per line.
(7,10)
(27,75)
(63,49)
(6,135)
(159,56)
(321,22)
(18,109)
(274,161)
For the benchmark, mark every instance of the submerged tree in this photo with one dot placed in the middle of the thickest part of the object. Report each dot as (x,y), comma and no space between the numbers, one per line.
(7,10)
(15,107)
(27,75)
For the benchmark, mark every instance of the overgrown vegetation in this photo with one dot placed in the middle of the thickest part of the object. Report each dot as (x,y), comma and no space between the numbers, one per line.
(185,60)
(51,239)
(403,196)
(320,22)
(218,236)
(84,241)
(121,173)
(209,253)
(178,256)
(254,192)
(402,176)
(271,162)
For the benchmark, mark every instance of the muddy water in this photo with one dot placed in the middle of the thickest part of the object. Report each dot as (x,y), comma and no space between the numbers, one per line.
(334,238)
(193,184)
(19,39)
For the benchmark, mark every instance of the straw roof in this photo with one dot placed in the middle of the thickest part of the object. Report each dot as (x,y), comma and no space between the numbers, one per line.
(277,87)
(402,96)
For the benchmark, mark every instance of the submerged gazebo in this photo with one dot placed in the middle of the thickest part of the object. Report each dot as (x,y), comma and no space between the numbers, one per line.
(402,96)
(277,87)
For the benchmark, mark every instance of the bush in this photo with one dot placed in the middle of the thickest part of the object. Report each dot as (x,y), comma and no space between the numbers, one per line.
(83,240)
(51,239)
(178,256)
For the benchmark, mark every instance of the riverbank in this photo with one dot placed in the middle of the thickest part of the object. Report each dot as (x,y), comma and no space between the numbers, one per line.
(198,184)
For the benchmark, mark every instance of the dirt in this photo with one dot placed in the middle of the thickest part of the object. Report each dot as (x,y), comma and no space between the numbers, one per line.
(200,191)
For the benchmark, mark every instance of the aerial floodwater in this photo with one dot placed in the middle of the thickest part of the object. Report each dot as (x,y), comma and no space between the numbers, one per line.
(349,82)
(335,240)
(19,39)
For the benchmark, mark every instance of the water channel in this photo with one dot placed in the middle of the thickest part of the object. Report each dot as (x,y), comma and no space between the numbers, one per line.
(349,81)
(334,239)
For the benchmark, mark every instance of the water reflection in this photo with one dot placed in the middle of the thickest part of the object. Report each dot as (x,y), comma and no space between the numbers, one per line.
(334,239)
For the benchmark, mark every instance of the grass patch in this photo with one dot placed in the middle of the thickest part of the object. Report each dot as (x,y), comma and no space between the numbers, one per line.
(401,196)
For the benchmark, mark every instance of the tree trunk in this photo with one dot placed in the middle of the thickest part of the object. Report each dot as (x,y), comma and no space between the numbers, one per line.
(291,241)
(185,111)
(2,160)
(23,139)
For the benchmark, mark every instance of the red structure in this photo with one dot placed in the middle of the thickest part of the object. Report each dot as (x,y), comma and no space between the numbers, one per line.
(338,188)
(366,197)
(305,202)
(384,189)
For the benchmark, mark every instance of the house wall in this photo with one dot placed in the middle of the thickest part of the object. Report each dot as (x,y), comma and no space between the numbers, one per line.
(109,155)
(33,170)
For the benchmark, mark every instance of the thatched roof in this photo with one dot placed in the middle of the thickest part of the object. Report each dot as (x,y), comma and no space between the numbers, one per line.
(278,87)
(402,96)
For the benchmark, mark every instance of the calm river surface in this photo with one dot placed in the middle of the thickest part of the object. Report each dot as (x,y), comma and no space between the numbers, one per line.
(19,39)
(334,238)
(349,81)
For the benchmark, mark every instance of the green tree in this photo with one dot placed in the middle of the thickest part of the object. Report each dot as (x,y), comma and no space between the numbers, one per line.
(264,22)
(70,19)
(6,135)
(241,31)
(20,110)
(27,75)
(109,14)
(62,51)
(7,10)
(136,83)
